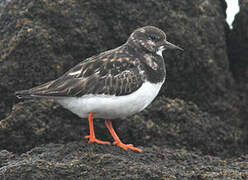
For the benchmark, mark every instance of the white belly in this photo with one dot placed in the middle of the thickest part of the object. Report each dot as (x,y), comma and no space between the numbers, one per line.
(111,107)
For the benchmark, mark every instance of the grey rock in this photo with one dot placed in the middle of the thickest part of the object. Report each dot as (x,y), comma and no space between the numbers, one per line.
(82,161)
(237,51)
(198,132)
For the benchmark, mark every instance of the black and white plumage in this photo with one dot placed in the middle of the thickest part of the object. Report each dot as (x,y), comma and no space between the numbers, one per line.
(137,67)
(114,84)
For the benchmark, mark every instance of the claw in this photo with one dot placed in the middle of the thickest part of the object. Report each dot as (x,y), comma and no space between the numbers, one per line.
(117,140)
(92,137)
(94,140)
(127,146)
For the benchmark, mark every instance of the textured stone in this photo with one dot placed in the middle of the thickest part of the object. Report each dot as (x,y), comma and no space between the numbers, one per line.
(171,122)
(197,133)
(42,39)
(237,50)
(82,161)
(238,44)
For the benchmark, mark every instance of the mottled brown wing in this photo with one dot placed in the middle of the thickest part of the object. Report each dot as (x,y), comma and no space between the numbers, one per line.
(107,75)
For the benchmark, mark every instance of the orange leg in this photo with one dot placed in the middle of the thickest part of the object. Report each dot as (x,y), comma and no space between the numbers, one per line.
(117,141)
(92,137)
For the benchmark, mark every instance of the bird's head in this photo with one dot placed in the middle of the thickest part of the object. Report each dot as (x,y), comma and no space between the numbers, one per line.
(151,39)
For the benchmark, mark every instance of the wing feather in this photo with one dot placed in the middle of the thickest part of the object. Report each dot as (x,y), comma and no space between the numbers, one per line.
(103,75)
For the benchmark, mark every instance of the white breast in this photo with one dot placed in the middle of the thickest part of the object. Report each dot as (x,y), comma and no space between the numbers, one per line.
(111,107)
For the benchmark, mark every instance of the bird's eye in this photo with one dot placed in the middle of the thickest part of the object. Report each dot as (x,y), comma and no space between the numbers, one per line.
(154,38)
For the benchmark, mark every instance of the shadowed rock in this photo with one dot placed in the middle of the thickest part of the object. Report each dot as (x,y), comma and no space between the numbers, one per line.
(42,39)
(238,45)
(182,136)
(166,122)
(82,161)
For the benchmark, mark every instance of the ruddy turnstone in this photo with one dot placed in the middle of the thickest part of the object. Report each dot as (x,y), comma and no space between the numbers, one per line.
(114,84)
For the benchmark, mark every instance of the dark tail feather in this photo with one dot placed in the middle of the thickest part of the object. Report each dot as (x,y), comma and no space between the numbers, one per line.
(23,94)
(37,92)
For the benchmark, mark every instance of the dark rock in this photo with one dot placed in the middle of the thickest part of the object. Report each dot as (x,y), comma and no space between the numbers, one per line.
(5,157)
(82,161)
(166,122)
(182,136)
(181,124)
(238,44)
(33,123)
(237,51)
(41,39)
(2,5)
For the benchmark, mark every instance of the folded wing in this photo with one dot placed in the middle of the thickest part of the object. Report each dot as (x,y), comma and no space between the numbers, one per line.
(107,75)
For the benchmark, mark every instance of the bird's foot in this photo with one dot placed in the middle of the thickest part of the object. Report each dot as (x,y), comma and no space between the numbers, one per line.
(127,146)
(94,140)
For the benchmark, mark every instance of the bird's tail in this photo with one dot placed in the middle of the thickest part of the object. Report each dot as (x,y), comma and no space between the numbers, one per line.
(38,91)
(23,94)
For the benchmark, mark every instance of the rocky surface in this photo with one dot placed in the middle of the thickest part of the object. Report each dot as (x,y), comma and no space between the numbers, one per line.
(196,129)
(238,44)
(237,50)
(76,160)
(42,39)
(172,122)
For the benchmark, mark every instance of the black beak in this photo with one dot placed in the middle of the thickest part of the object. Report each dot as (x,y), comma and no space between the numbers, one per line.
(171,46)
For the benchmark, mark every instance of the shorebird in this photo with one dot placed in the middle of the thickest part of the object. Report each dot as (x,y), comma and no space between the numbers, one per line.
(113,84)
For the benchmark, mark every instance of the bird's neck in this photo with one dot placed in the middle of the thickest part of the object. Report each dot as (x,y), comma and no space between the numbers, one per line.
(152,63)
(154,67)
